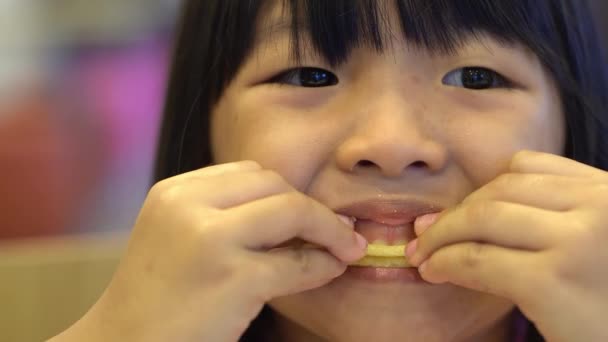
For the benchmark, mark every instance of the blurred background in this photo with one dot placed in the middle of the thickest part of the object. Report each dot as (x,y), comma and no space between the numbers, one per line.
(81,92)
(81,88)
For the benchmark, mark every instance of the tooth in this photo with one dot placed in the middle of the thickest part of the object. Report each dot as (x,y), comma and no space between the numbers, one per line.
(379,242)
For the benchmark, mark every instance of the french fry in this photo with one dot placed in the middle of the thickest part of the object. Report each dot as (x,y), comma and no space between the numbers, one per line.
(385,251)
(383,256)
(375,256)
(370,261)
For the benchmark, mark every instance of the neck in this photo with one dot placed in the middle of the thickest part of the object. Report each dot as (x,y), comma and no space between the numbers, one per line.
(499,331)
(286,330)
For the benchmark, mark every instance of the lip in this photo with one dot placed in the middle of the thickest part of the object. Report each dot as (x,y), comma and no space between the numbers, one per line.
(384,275)
(387,221)
(389,211)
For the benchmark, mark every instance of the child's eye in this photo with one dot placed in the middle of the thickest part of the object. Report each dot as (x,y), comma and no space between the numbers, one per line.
(476,78)
(306,77)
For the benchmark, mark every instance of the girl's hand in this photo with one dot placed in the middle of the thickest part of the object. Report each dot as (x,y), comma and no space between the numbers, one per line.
(538,236)
(199,265)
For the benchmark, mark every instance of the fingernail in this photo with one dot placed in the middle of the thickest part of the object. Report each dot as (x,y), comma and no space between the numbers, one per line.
(347,220)
(361,241)
(411,248)
(424,221)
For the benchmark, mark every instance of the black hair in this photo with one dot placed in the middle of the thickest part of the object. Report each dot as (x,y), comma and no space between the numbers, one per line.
(216,36)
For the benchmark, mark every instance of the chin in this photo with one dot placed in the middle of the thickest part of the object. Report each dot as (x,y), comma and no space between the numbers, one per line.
(346,311)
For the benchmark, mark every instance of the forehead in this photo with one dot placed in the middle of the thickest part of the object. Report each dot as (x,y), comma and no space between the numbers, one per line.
(333,33)
(332,29)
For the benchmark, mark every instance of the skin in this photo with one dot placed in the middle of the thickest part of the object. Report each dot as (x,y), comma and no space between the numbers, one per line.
(423,139)
(203,258)
(557,231)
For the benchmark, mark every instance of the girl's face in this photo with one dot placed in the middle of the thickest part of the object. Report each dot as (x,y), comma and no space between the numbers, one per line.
(397,124)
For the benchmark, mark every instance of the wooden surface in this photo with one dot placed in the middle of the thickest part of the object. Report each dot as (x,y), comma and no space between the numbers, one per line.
(47,284)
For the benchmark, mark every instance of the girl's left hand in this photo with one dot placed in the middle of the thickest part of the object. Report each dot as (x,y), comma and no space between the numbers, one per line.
(538,236)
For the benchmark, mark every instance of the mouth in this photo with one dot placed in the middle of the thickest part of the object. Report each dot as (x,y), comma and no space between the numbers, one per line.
(387,225)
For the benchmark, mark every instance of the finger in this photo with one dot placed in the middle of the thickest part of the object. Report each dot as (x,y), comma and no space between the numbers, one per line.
(225,190)
(209,171)
(219,169)
(292,270)
(499,223)
(537,190)
(484,267)
(216,170)
(539,162)
(276,219)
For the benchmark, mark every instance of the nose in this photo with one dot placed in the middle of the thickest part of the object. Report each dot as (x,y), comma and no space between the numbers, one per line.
(390,139)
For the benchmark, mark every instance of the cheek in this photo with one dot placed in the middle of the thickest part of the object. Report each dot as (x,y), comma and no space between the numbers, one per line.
(294,146)
(484,143)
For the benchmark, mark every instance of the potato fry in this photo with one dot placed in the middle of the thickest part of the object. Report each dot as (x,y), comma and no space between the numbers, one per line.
(382,262)
(384,256)
(385,251)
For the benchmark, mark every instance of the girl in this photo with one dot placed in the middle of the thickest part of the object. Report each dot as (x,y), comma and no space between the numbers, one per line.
(471,130)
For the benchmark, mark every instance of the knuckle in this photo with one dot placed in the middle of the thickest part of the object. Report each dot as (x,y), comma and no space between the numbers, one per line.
(208,224)
(586,227)
(507,181)
(473,255)
(479,212)
(273,177)
(211,230)
(164,191)
(295,209)
(578,227)
(503,181)
(519,159)
(302,259)
(252,163)
(532,181)
(298,202)
(164,197)
(157,189)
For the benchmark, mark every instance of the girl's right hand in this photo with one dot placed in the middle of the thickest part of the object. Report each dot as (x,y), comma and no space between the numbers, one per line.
(201,261)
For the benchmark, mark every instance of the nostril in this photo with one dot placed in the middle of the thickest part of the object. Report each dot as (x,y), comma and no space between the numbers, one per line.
(419,164)
(366,163)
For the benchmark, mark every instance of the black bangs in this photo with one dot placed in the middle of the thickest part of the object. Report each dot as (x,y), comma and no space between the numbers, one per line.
(336,27)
